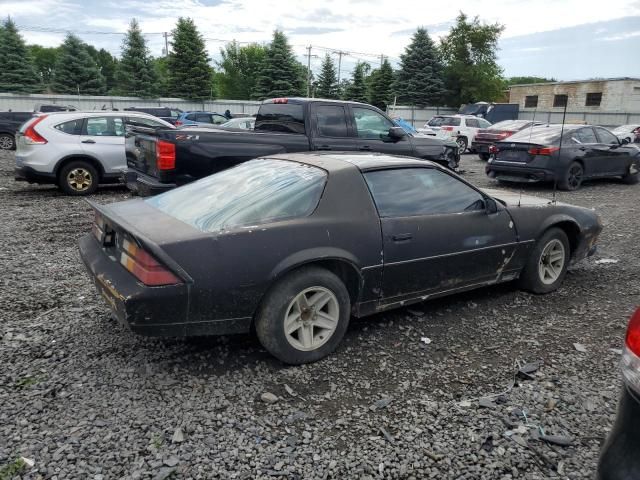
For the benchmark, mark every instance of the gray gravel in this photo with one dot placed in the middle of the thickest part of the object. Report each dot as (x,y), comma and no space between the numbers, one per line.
(84,398)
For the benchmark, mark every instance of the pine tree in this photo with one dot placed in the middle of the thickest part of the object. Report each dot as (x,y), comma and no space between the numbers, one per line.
(108,65)
(135,75)
(420,78)
(17,72)
(76,70)
(281,75)
(189,72)
(327,85)
(381,86)
(357,88)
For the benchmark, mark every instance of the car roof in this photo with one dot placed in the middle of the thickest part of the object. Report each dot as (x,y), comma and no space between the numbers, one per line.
(199,111)
(334,161)
(302,100)
(97,113)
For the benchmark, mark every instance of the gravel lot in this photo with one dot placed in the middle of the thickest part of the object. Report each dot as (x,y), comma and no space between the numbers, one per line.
(83,398)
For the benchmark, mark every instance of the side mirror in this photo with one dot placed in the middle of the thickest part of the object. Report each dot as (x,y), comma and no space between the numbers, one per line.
(491,205)
(624,141)
(397,133)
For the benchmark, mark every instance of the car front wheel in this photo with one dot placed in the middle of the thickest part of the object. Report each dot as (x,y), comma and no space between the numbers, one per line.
(547,266)
(304,316)
(78,178)
(7,142)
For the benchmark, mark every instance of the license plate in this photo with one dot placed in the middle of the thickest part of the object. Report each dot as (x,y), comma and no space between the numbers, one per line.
(510,155)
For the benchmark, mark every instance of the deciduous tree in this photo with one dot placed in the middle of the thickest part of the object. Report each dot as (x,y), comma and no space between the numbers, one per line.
(239,69)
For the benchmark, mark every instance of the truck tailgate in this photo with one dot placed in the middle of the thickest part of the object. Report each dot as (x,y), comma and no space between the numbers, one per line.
(140,146)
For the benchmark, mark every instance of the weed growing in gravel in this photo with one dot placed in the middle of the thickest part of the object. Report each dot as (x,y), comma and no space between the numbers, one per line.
(12,469)
(26,382)
(156,442)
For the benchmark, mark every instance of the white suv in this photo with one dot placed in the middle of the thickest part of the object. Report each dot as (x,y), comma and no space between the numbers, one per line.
(462,128)
(76,150)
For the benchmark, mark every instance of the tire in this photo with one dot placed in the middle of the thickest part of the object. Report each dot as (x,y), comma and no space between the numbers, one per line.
(632,176)
(572,177)
(78,178)
(462,144)
(545,269)
(484,156)
(289,298)
(7,142)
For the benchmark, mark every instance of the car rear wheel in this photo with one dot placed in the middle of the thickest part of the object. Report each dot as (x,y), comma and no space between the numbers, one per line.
(7,142)
(78,178)
(484,156)
(462,144)
(304,316)
(547,266)
(572,178)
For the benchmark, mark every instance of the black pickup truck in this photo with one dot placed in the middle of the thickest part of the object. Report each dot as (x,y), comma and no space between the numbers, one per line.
(161,159)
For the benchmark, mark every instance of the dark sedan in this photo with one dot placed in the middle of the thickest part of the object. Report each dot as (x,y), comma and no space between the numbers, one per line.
(295,244)
(538,155)
(497,132)
(619,459)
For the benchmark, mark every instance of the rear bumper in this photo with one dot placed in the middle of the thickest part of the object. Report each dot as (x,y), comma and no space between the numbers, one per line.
(144,185)
(480,147)
(518,173)
(619,459)
(149,311)
(28,174)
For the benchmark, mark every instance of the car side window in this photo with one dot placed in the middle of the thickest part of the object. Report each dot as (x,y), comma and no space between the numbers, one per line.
(407,192)
(145,122)
(72,127)
(191,116)
(484,123)
(584,135)
(203,118)
(370,124)
(473,123)
(332,121)
(219,119)
(105,126)
(607,137)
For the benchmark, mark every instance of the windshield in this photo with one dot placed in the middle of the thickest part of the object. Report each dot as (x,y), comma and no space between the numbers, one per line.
(255,192)
(539,135)
(623,128)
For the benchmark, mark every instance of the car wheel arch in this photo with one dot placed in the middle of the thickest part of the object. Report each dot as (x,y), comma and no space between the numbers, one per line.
(79,157)
(569,226)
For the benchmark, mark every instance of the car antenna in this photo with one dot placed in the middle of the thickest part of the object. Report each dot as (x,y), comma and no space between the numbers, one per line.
(555,177)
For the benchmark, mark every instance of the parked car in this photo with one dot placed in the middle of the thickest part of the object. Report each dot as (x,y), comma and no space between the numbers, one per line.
(243,123)
(76,150)
(167,114)
(160,160)
(294,244)
(407,127)
(10,123)
(497,132)
(461,128)
(630,133)
(201,119)
(619,457)
(586,152)
(491,112)
(53,107)
(432,126)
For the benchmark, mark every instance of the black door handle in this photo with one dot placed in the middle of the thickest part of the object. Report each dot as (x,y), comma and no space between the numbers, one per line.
(88,141)
(402,237)
(365,148)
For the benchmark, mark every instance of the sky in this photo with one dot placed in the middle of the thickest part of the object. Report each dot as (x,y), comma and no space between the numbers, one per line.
(563,39)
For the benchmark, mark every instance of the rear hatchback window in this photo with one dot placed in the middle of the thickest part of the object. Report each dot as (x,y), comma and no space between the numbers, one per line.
(450,121)
(253,193)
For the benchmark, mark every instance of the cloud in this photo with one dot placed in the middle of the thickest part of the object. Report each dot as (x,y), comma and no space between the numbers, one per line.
(622,36)
(311,30)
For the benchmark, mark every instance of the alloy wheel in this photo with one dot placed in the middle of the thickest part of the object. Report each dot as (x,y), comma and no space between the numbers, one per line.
(574,176)
(462,145)
(551,262)
(311,318)
(79,179)
(6,142)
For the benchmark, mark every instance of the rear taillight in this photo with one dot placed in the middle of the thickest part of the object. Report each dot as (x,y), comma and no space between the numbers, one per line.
(178,123)
(31,137)
(631,353)
(503,135)
(144,267)
(545,151)
(493,149)
(637,131)
(448,129)
(165,155)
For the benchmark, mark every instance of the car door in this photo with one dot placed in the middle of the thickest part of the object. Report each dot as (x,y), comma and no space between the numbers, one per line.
(615,159)
(437,233)
(103,139)
(331,128)
(583,144)
(472,125)
(372,132)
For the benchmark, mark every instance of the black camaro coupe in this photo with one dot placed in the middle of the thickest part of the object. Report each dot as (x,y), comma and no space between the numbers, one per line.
(295,244)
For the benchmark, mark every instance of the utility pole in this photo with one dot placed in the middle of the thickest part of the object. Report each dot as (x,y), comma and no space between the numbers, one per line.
(340,53)
(309,71)
(166,44)
(381,59)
